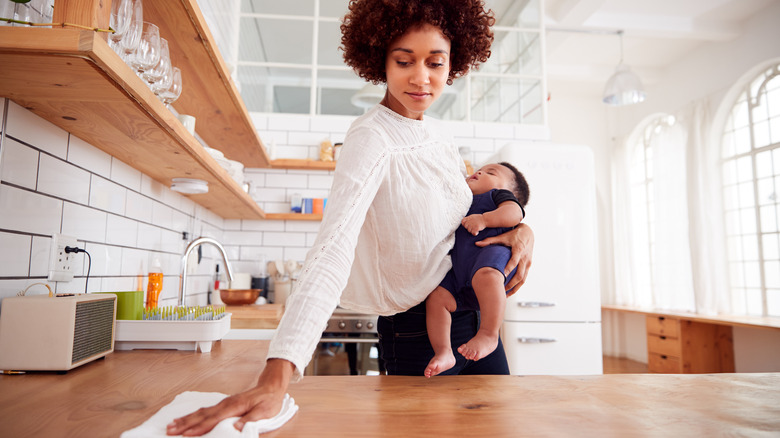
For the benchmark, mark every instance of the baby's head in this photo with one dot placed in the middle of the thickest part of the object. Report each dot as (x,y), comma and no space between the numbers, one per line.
(499,176)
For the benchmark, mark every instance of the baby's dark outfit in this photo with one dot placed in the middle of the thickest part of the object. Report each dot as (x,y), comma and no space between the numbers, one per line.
(468,258)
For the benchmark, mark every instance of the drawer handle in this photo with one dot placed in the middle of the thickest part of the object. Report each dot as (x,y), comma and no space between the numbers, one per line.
(664,357)
(662,337)
(661,318)
(534,304)
(535,340)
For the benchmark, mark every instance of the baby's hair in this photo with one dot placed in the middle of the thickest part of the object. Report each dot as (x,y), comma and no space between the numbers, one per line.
(371,26)
(521,190)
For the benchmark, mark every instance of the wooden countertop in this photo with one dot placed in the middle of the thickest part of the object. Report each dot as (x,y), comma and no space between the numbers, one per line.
(253,316)
(766,322)
(107,397)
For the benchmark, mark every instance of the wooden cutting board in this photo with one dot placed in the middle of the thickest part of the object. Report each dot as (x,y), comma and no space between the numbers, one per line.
(254,316)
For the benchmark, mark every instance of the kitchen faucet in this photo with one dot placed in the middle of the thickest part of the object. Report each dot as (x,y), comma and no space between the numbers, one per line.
(192,245)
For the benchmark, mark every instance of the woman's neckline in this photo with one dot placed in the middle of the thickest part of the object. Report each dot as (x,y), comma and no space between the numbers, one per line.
(401,118)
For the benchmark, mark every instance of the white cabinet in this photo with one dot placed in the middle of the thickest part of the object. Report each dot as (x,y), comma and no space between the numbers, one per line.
(552,348)
(553,323)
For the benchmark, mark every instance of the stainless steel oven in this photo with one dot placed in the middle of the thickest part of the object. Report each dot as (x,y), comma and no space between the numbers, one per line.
(349,345)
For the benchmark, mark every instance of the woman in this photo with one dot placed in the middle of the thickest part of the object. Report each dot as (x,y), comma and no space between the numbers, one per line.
(397,197)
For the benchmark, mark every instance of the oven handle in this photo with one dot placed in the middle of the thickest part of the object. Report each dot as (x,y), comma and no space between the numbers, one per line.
(351,340)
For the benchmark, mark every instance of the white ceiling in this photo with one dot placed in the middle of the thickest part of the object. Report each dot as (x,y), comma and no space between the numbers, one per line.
(657,33)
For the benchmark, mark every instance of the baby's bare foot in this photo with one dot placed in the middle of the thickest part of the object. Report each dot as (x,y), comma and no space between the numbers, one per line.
(439,364)
(479,346)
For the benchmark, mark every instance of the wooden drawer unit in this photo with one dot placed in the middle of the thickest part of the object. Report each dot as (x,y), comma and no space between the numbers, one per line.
(682,346)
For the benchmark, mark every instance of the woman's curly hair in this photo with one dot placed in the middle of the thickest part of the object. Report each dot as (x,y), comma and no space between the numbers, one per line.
(371,25)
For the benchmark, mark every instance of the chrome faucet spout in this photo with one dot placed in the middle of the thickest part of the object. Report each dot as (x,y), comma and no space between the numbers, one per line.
(192,245)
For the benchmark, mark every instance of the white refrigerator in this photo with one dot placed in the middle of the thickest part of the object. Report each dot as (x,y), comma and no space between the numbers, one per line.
(552,325)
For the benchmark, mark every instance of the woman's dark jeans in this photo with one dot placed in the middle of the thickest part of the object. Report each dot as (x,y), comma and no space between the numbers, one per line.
(406,349)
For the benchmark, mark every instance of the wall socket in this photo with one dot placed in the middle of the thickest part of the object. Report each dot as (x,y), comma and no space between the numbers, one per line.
(60,262)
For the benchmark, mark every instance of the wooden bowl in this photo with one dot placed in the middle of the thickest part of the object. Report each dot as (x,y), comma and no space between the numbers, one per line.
(237,297)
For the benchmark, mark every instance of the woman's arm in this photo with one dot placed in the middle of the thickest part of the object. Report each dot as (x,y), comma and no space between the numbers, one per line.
(521,240)
(262,401)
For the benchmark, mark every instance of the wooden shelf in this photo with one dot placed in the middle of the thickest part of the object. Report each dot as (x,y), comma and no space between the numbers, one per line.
(293,216)
(287,163)
(74,80)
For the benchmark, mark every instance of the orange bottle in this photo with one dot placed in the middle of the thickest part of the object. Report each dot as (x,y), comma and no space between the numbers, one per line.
(154,285)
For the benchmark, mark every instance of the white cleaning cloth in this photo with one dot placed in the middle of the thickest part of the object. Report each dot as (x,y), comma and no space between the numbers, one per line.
(190,401)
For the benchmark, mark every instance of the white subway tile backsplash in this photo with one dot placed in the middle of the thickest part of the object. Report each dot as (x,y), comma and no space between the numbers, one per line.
(162,215)
(254,254)
(307,138)
(298,254)
(75,286)
(171,241)
(179,221)
(302,226)
(84,223)
(61,179)
(39,256)
(285,239)
(242,238)
(88,157)
(293,123)
(336,125)
(260,121)
(298,152)
(265,194)
(233,224)
(149,237)
(116,284)
(33,130)
(107,195)
(276,207)
(19,164)
(494,130)
(152,188)
(121,231)
(135,262)
(262,225)
(289,181)
(323,181)
(125,175)
(15,256)
(138,206)
(28,211)
(106,259)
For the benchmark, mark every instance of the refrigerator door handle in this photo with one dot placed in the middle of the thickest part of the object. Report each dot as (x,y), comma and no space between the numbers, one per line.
(524,340)
(534,304)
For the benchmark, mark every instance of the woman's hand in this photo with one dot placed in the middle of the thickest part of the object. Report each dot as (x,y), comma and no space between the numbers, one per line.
(262,401)
(521,240)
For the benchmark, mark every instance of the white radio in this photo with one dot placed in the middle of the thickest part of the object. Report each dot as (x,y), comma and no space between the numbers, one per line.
(55,333)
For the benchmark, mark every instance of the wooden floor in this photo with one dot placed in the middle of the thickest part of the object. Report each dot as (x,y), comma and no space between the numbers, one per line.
(617,365)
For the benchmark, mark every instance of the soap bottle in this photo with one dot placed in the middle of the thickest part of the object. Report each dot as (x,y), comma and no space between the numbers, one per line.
(215,298)
(154,284)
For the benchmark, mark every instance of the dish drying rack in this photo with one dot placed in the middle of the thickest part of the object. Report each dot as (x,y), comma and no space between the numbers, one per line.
(173,328)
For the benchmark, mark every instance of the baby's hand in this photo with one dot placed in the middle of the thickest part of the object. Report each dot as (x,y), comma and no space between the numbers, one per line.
(473,223)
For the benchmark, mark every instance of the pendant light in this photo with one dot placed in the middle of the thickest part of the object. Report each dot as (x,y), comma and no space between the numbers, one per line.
(624,87)
(368,96)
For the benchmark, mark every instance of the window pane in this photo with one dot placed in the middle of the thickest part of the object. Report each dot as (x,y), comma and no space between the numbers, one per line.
(774,129)
(771,247)
(755,305)
(761,134)
(505,100)
(773,302)
(734,245)
(336,88)
(761,111)
(744,169)
(740,113)
(773,97)
(258,36)
(769,222)
(764,164)
(752,274)
(766,191)
(328,52)
(298,7)
(729,172)
(747,221)
(746,198)
(750,248)
(332,8)
(729,148)
(275,89)
(515,53)
(742,140)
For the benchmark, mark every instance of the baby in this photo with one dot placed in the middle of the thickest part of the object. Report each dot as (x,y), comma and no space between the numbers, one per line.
(476,280)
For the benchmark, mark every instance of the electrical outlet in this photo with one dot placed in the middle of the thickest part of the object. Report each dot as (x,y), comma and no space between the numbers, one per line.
(60,262)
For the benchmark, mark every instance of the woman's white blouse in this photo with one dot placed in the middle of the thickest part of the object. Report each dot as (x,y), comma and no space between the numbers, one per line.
(398,195)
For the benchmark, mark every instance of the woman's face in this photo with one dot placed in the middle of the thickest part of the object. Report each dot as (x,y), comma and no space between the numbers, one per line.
(417,67)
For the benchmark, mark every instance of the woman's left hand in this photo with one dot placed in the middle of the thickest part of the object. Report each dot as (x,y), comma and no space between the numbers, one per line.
(521,240)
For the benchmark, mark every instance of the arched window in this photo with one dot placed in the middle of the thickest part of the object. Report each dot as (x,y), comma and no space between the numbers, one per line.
(751,192)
